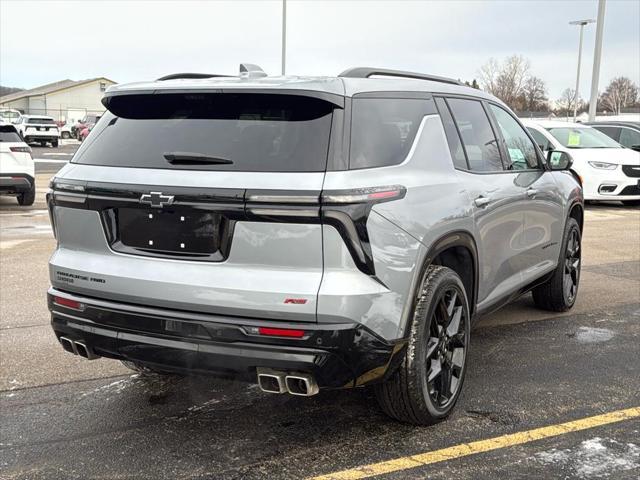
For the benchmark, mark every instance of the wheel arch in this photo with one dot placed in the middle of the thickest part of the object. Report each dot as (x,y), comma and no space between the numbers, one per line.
(576,211)
(458,251)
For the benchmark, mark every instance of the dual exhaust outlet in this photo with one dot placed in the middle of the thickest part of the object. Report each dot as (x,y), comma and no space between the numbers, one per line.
(274,381)
(78,348)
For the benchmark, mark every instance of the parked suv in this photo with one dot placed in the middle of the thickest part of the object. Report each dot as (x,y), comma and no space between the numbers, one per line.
(38,128)
(17,170)
(308,233)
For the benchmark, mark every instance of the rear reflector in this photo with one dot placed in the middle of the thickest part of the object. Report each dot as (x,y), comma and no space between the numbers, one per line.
(65,302)
(363,195)
(280,332)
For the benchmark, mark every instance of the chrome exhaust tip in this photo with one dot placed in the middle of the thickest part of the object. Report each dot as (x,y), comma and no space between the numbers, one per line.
(67,344)
(301,384)
(271,381)
(85,351)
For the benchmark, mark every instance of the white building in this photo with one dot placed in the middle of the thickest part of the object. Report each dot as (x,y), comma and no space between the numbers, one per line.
(66,100)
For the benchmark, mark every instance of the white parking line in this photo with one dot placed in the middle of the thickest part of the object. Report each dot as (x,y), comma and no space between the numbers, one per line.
(60,154)
(49,160)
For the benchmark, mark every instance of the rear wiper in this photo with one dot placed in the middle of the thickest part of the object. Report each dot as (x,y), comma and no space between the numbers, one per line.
(188,158)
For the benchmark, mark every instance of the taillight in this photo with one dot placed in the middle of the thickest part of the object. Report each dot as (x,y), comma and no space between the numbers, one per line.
(20,149)
(364,195)
(66,302)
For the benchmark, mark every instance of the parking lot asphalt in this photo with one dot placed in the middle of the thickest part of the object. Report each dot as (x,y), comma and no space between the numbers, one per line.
(63,417)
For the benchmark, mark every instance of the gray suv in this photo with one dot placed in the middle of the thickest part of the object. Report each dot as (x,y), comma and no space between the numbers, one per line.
(307,233)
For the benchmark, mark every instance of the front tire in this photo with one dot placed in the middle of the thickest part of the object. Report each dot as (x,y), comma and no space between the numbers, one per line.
(558,294)
(426,386)
(66,135)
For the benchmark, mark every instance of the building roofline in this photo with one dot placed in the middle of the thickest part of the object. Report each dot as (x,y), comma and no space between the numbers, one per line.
(36,92)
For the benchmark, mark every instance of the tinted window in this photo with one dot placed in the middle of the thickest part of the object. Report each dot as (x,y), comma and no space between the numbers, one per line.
(261,133)
(9,134)
(582,137)
(540,139)
(383,130)
(478,138)
(451,132)
(629,137)
(39,121)
(520,148)
(613,132)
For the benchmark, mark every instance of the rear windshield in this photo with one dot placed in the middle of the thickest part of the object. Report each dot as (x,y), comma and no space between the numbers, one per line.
(224,131)
(9,134)
(40,121)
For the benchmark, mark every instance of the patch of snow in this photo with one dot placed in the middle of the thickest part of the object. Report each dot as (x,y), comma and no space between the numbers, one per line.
(595,458)
(593,335)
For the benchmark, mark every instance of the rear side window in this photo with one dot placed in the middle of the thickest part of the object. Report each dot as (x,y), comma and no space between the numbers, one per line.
(629,138)
(9,134)
(477,135)
(451,132)
(221,131)
(383,130)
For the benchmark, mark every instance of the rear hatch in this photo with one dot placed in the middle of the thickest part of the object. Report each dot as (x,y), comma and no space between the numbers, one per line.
(204,202)
(15,155)
(45,127)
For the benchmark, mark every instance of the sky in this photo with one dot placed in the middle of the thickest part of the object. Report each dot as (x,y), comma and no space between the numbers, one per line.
(47,40)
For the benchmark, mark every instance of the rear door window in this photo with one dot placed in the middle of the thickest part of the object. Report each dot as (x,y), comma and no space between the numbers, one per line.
(479,141)
(451,132)
(220,131)
(629,138)
(383,130)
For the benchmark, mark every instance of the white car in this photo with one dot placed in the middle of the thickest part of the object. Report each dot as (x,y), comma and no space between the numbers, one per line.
(9,115)
(607,170)
(17,172)
(38,128)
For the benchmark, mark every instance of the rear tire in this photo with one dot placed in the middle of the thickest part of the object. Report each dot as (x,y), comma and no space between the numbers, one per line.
(559,293)
(27,198)
(426,386)
(54,144)
(631,203)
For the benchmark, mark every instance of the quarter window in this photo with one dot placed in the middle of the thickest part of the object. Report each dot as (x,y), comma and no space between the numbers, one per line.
(383,130)
(477,135)
(540,139)
(520,149)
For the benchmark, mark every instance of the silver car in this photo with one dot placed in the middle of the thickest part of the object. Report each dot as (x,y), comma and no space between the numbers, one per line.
(307,233)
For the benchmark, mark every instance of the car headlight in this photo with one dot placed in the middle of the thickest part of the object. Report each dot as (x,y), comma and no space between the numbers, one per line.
(603,165)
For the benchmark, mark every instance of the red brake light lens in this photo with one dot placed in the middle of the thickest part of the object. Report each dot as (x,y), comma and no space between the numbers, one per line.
(280,332)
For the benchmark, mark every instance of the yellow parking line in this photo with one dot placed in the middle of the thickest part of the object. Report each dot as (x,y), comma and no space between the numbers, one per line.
(465,449)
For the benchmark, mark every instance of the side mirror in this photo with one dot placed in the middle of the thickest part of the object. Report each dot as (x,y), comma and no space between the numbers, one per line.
(558,160)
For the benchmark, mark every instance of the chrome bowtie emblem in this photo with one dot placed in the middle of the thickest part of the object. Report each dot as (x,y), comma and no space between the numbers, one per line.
(156,199)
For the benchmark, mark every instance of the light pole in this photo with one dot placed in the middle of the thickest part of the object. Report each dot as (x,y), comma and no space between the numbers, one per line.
(581,23)
(284,35)
(597,56)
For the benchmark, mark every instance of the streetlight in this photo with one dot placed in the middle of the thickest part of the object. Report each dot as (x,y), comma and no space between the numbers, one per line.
(582,23)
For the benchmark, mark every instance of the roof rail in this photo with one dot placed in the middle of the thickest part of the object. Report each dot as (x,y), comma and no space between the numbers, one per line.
(366,72)
(174,76)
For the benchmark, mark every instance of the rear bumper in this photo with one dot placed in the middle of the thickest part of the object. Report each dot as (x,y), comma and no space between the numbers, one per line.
(15,183)
(337,355)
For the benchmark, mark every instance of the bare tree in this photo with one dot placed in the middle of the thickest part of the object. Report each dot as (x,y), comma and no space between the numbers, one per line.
(565,103)
(620,93)
(534,95)
(506,81)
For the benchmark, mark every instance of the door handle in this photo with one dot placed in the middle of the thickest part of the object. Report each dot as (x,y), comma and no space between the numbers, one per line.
(532,192)
(482,201)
